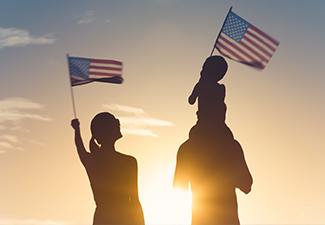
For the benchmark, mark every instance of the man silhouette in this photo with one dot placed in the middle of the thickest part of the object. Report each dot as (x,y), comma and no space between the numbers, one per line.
(214,173)
(211,160)
(112,175)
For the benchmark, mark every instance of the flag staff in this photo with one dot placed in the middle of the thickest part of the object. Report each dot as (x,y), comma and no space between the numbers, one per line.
(214,46)
(71,90)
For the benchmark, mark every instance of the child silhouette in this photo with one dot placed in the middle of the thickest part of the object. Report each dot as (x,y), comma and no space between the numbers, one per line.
(211,96)
(112,175)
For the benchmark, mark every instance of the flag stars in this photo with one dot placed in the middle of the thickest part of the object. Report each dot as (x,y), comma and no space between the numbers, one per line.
(235,27)
(79,68)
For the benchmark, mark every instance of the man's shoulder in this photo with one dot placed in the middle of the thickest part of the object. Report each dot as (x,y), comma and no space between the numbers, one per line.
(184,147)
(185,150)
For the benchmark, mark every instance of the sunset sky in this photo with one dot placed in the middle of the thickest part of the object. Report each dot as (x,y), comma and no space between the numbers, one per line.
(276,114)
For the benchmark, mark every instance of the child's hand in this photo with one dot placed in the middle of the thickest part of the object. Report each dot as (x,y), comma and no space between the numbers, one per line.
(194,94)
(75,124)
(192,99)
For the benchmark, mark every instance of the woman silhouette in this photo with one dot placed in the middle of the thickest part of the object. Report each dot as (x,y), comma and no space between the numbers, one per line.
(112,175)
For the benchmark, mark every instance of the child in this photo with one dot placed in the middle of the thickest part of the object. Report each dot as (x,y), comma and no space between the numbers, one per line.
(211,95)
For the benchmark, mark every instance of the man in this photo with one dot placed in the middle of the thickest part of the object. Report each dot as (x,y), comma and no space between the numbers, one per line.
(211,160)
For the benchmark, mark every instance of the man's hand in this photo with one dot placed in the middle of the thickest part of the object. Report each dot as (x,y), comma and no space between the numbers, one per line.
(75,124)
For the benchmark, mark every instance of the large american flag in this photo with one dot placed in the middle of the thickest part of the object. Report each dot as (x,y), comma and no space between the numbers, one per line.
(83,71)
(241,41)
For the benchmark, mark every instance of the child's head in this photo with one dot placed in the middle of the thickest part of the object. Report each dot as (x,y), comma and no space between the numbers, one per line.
(214,66)
(105,128)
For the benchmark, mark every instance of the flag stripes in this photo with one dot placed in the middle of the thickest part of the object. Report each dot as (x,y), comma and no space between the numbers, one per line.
(243,42)
(83,70)
(104,68)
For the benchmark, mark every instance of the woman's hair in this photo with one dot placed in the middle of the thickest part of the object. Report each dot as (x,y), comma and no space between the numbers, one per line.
(101,123)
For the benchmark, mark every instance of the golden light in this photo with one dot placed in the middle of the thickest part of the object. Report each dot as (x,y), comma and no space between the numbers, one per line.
(164,205)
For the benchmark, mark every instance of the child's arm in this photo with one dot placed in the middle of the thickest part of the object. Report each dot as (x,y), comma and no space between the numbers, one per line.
(78,140)
(194,94)
(223,91)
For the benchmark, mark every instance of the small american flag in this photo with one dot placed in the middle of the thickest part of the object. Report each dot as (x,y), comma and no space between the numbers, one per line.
(83,71)
(241,41)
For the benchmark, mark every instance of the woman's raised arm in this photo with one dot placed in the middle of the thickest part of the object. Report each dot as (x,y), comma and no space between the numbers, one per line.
(78,140)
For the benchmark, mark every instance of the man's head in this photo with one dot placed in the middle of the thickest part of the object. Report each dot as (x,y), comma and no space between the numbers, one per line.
(215,66)
(105,128)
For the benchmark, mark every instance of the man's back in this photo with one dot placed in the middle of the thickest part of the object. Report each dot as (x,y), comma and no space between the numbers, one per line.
(212,174)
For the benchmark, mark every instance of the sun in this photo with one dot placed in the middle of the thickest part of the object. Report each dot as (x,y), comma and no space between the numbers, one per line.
(164,205)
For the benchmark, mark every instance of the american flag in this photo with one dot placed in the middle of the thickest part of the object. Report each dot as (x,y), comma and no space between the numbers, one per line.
(241,41)
(83,71)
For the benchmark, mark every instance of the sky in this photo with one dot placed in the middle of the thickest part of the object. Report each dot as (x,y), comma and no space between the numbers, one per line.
(277,114)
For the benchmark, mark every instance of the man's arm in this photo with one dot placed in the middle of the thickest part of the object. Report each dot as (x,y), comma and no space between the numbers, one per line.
(181,178)
(244,179)
(78,140)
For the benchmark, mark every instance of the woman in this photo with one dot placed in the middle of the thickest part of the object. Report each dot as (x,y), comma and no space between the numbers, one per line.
(112,175)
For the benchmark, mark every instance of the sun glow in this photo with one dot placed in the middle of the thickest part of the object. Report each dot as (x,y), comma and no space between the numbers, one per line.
(164,205)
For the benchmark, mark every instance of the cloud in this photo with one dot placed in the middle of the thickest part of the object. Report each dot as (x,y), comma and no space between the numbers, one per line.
(87,18)
(6,145)
(125,108)
(4,142)
(37,143)
(144,121)
(10,37)
(10,138)
(12,221)
(135,123)
(18,103)
(11,109)
(140,132)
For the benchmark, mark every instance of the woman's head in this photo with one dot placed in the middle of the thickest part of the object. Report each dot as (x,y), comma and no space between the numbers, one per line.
(105,128)
(215,66)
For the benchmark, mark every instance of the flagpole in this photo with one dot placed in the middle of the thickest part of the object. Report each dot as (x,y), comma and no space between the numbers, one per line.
(214,46)
(71,90)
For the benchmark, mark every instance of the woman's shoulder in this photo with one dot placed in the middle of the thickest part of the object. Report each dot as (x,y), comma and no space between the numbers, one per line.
(127,158)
